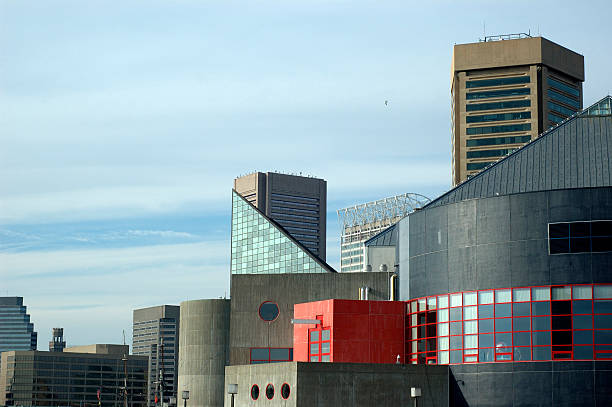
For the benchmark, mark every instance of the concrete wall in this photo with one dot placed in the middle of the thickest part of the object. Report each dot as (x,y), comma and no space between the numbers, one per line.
(249,291)
(204,334)
(341,384)
(503,242)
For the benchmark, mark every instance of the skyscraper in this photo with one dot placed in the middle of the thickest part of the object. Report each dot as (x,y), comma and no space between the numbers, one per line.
(152,328)
(505,91)
(16,330)
(295,202)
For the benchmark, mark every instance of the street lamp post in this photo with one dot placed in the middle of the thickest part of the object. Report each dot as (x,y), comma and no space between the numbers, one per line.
(232,389)
(415,393)
(185,397)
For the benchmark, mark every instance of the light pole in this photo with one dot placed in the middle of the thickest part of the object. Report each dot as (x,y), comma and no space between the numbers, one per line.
(232,389)
(185,397)
(415,393)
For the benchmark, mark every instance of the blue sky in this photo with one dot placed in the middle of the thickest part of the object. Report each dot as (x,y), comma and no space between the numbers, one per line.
(124,124)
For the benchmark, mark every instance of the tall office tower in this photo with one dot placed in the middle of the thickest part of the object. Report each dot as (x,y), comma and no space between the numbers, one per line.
(505,91)
(16,330)
(57,344)
(297,203)
(360,222)
(154,327)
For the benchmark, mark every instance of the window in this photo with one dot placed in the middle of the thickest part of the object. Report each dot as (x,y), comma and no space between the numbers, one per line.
(489,153)
(498,117)
(268,311)
(580,237)
(563,99)
(497,140)
(498,105)
(319,344)
(254,392)
(270,391)
(498,93)
(271,355)
(498,129)
(554,118)
(497,82)
(477,166)
(571,322)
(285,391)
(560,109)
(563,87)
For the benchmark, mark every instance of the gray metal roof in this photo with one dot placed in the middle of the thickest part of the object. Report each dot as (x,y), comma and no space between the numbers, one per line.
(574,154)
(387,237)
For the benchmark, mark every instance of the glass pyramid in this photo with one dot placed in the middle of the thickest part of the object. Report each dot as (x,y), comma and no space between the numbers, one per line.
(260,246)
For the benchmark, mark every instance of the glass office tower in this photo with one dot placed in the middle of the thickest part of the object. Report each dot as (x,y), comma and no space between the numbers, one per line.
(16,330)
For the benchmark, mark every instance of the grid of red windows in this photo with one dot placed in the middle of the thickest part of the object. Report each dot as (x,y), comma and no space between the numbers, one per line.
(319,344)
(271,355)
(565,322)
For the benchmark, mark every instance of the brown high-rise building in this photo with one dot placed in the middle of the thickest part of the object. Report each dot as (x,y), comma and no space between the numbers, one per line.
(297,203)
(505,91)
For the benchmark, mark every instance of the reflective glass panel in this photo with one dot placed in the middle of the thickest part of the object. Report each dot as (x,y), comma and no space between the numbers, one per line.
(602,291)
(540,323)
(522,353)
(485,297)
(455,342)
(325,335)
(540,308)
(485,311)
(521,338)
(583,352)
(561,293)
(442,301)
(541,353)
(521,294)
(582,292)
(443,343)
(521,324)
(470,327)
(443,315)
(455,300)
(503,324)
(469,298)
(582,307)
(471,341)
(540,293)
(503,296)
(470,312)
(443,329)
(541,338)
(521,309)
(583,337)
(485,325)
(503,310)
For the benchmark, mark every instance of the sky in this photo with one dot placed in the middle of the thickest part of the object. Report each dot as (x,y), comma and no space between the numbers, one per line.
(123,125)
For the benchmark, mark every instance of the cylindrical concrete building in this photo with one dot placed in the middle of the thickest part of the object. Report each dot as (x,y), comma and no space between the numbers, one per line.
(203,351)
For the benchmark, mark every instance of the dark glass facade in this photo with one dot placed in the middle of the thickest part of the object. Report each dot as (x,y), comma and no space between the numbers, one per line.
(498,129)
(498,117)
(509,104)
(497,82)
(16,330)
(490,141)
(497,93)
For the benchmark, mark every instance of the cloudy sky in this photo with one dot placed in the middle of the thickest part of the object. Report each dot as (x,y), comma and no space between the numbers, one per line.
(123,125)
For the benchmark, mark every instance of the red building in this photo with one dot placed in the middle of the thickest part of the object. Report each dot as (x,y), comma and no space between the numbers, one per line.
(350,331)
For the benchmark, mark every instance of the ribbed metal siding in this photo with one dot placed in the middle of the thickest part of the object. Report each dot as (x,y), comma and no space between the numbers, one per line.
(574,155)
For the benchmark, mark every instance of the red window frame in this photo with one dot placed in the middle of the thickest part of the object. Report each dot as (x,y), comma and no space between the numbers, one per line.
(319,356)
(423,336)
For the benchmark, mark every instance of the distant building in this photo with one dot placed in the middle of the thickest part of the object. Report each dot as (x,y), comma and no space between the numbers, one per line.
(153,327)
(297,203)
(505,91)
(360,222)
(91,375)
(16,330)
(57,344)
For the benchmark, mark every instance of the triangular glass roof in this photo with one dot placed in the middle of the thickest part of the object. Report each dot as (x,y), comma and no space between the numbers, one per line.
(601,108)
(262,246)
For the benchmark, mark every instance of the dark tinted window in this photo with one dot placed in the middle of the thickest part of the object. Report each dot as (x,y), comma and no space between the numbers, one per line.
(270,391)
(479,83)
(285,391)
(496,117)
(498,105)
(497,93)
(489,153)
(498,129)
(268,311)
(521,309)
(255,392)
(491,141)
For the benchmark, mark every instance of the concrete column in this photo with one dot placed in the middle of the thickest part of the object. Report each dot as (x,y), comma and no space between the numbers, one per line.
(203,351)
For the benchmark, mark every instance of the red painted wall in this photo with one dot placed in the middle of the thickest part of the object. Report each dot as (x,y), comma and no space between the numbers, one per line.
(361,331)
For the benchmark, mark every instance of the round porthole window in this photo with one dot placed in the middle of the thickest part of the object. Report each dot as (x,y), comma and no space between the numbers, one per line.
(255,392)
(268,311)
(270,391)
(285,391)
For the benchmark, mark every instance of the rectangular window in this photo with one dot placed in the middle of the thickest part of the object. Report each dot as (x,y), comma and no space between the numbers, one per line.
(563,99)
(580,237)
(497,82)
(498,117)
(497,93)
(271,355)
(570,90)
(509,104)
(498,129)
(560,109)
(554,118)
(497,140)
(477,166)
(319,344)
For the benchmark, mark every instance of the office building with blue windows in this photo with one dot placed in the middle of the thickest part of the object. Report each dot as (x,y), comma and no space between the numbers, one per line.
(505,91)
(16,330)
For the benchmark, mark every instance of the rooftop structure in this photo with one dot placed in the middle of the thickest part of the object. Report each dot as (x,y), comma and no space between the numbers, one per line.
(57,344)
(360,222)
